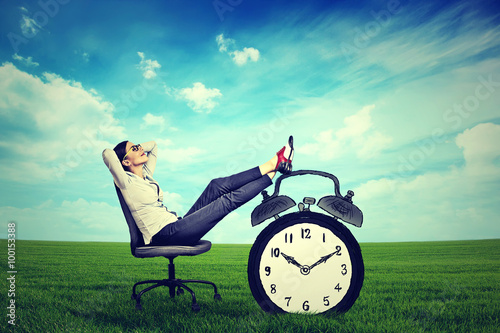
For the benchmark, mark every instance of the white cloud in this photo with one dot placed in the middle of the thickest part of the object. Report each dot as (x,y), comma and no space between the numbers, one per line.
(29,27)
(438,205)
(357,124)
(26,61)
(239,57)
(358,134)
(153,121)
(199,97)
(325,146)
(223,43)
(177,156)
(63,124)
(148,66)
(371,145)
(480,148)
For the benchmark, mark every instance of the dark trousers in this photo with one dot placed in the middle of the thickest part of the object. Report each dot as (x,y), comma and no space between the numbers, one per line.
(220,197)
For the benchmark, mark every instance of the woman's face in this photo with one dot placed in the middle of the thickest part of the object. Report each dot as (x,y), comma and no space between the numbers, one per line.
(135,155)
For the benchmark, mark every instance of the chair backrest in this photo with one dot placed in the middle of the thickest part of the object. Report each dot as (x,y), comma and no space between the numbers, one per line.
(136,239)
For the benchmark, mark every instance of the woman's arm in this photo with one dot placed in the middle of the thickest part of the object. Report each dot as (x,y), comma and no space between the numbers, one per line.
(115,167)
(151,149)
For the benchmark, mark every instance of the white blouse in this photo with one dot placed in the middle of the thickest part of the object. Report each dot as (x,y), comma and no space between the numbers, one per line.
(143,196)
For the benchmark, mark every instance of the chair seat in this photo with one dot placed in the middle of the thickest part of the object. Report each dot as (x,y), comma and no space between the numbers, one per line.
(172,250)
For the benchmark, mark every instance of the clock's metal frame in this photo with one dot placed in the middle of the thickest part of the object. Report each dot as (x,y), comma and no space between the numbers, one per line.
(338,206)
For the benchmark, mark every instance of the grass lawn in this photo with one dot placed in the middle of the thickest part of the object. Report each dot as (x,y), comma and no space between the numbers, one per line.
(409,287)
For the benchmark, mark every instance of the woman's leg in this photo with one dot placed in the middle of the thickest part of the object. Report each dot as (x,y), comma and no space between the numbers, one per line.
(220,186)
(190,229)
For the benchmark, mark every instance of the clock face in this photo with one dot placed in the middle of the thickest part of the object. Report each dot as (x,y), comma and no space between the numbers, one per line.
(305,268)
(305,262)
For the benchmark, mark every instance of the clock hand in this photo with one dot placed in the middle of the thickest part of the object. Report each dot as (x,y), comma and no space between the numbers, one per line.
(291,260)
(322,260)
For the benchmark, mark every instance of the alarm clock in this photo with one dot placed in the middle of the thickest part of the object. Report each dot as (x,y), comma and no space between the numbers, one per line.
(306,262)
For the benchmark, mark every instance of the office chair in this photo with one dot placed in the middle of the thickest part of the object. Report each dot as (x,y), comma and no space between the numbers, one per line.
(139,250)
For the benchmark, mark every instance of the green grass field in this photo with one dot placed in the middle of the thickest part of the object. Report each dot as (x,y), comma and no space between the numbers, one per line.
(409,287)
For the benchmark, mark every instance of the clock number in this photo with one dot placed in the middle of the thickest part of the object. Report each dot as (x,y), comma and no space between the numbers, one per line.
(275,252)
(338,248)
(344,269)
(306,233)
(268,270)
(305,306)
(337,287)
(286,238)
(326,301)
(288,300)
(273,289)
(324,237)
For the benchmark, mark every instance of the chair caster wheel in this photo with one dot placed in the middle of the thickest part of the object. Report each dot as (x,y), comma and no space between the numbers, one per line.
(217,297)
(195,307)
(138,307)
(180,291)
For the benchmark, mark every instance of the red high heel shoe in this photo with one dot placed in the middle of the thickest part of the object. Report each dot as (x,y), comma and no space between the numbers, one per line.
(284,164)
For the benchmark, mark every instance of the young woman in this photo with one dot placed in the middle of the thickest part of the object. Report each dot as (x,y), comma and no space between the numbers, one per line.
(132,167)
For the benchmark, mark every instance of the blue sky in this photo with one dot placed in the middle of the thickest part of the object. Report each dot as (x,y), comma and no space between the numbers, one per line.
(400,100)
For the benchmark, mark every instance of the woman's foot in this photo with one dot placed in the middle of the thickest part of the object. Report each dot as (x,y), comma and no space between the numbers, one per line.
(285,157)
(281,162)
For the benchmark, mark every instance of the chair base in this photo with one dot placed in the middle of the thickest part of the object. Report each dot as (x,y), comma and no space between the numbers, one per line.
(172,283)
